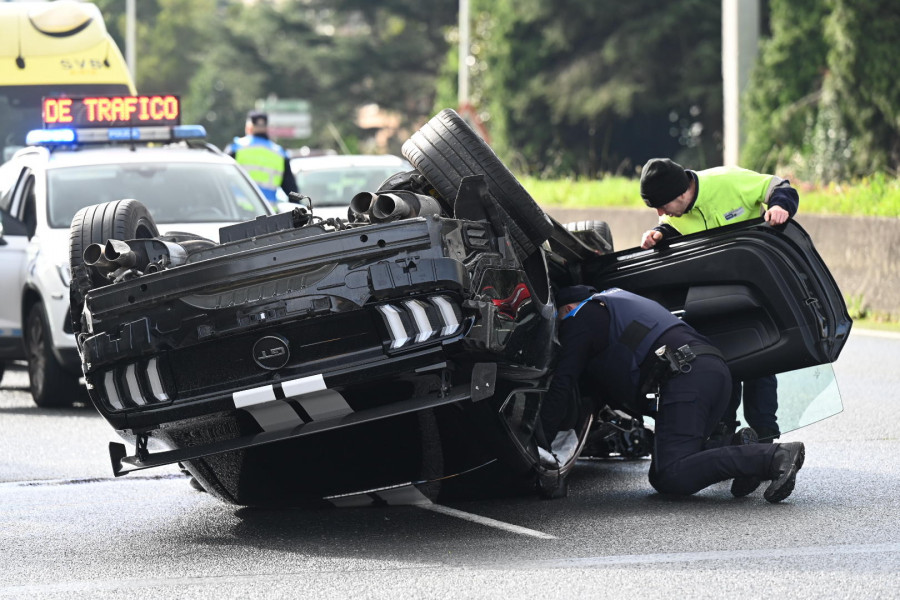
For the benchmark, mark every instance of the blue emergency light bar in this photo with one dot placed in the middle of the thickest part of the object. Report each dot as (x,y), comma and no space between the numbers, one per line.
(41,137)
(100,135)
(188,132)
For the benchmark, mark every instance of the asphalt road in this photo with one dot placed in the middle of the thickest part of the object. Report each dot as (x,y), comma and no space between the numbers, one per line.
(69,530)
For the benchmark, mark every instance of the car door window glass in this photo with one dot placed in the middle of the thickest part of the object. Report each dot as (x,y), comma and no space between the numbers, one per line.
(805,396)
(9,174)
(29,209)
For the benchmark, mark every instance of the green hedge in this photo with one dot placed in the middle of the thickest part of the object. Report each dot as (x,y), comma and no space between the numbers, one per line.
(877,196)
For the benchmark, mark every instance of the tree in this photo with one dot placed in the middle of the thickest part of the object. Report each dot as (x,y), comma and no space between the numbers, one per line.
(588,86)
(222,55)
(824,104)
(863,60)
(782,100)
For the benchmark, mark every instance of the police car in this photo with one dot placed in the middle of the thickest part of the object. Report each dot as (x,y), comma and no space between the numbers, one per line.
(331,180)
(94,150)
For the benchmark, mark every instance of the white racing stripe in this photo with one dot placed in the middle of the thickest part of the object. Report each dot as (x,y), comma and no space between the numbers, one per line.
(274,415)
(259,395)
(323,405)
(319,402)
(304,385)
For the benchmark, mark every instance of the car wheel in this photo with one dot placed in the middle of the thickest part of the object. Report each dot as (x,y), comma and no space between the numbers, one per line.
(51,385)
(120,220)
(446,149)
(2,369)
(595,234)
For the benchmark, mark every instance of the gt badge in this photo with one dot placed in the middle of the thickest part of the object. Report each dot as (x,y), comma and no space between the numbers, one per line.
(271,352)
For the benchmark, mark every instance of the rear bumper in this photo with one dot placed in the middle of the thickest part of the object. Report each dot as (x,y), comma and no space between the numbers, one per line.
(123,464)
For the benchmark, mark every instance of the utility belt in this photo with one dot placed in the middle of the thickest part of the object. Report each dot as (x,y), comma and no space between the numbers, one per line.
(665,363)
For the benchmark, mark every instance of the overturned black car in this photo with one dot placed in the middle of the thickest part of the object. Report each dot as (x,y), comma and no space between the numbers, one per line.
(298,359)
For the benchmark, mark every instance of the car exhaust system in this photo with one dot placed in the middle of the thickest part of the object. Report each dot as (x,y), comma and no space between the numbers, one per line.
(392,206)
(145,255)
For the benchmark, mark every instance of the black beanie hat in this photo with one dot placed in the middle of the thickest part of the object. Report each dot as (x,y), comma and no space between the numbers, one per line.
(574,293)
(662,180)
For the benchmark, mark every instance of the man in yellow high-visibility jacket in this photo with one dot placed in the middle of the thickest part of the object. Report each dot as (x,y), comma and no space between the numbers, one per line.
(267,163)
(690,201)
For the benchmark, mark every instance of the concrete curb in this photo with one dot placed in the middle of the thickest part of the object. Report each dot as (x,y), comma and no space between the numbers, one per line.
(862,253)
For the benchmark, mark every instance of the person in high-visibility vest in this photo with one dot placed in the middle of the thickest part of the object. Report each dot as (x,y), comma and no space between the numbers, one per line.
(690,201)
(267,163)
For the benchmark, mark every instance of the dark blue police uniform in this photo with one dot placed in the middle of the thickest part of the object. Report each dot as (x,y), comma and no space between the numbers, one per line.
(605,342)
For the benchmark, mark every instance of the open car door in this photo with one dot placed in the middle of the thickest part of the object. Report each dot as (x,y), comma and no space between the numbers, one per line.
(762,295)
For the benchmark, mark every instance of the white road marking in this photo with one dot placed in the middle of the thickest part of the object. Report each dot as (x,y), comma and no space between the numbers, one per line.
(488,522)
(688,557)
(223,582)
(409,495)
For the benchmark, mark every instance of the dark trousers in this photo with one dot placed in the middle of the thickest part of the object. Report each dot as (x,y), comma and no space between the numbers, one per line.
(760,405)
(690,407)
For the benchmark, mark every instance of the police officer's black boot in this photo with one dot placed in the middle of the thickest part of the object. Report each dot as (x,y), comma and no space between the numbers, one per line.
(768,435)
(786,461)
(723,431)
(741,486)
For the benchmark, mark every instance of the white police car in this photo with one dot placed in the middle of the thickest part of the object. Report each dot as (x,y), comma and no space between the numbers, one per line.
(111,148)
(331,181)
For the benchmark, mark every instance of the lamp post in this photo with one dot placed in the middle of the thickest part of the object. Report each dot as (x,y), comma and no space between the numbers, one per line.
(463,74)
(740,40)
(130,38)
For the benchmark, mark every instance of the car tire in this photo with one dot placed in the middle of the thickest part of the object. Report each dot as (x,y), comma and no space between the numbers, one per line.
(120,220)
(446,149)
(589,232)
(2,369)
(51,385)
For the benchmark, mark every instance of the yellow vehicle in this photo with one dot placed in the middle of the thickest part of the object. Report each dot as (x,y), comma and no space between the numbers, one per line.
(53,49)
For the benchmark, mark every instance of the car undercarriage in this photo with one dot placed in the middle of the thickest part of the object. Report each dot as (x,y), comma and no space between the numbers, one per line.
(299,358)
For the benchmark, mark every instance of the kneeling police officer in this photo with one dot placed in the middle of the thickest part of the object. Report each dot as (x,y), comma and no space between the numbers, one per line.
(622,346)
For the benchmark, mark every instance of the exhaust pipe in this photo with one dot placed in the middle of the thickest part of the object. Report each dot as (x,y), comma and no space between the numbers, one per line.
(361,206)
(152,254)
(113,255)
(398,205)
(93,256)
(119,253)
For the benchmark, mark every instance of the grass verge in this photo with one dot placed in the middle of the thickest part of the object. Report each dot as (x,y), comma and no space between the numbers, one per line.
(875,196)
